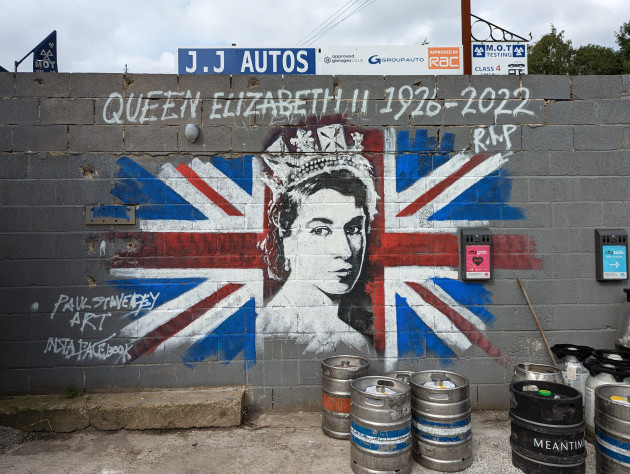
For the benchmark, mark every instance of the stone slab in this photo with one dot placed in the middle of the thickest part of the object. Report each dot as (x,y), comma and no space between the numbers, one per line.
(160,409)
(166,409)
(44,413)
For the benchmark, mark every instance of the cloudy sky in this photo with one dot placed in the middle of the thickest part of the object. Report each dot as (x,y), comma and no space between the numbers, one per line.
(143,34)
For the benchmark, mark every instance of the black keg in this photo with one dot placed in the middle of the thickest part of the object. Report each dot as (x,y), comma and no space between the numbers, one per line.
(547,424)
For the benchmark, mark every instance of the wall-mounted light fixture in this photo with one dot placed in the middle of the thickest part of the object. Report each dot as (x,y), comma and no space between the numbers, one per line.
(192,132)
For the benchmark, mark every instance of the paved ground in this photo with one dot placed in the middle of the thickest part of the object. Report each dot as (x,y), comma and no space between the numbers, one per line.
(270,443)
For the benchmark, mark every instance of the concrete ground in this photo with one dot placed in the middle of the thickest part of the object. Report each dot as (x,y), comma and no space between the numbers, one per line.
(269,443)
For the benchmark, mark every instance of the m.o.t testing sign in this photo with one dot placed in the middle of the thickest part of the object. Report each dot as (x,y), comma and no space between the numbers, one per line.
(499,58)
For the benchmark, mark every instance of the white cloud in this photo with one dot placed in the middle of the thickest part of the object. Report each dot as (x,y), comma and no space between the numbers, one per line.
(104,36)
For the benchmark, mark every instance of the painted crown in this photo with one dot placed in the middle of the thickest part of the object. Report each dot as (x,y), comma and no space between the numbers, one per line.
(311,159)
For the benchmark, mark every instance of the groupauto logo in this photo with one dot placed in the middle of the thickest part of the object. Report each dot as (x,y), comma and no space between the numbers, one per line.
(374,59)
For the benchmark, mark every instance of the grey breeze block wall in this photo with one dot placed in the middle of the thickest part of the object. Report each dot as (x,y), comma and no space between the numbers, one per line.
(185,295)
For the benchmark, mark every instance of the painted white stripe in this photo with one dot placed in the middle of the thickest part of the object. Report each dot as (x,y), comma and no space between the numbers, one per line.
(224,185)
(402,274)
(433,178)
(424,276)
(376,440)
(395,202)
(190,193)
(251,206)
(212,319)
(441,325)
(462,310)
(437,431)
(458,187)
(438,322)
(216,279)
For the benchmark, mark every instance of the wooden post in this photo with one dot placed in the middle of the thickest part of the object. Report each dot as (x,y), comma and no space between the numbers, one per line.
(466,35)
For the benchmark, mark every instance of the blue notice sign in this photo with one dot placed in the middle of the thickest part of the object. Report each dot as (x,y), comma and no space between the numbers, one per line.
(615,262)
(246,61)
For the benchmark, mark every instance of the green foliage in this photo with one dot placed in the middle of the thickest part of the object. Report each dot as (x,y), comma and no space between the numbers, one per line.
(73,392)
(623,41)
(553,54)
(599,60)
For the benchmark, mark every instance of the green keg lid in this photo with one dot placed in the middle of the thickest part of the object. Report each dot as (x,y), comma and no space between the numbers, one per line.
(544,393)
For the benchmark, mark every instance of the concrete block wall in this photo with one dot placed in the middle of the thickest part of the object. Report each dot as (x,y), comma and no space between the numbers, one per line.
(185,296)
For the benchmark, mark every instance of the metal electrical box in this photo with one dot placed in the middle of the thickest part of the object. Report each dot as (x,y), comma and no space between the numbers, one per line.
(475,247)
(100,214)
(611,254)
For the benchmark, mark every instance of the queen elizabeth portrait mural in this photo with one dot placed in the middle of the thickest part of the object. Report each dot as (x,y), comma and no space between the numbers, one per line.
(332,239)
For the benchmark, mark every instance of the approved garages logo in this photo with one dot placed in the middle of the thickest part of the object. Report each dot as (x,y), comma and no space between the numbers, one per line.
(444,58)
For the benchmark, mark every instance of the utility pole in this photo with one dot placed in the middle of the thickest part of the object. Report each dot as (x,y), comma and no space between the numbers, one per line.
(466,35)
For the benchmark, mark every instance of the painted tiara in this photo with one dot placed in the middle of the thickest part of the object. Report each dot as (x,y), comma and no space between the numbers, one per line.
(310,159)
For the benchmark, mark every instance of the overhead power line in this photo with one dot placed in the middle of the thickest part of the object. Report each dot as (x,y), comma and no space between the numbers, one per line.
(341,15)
(328,20)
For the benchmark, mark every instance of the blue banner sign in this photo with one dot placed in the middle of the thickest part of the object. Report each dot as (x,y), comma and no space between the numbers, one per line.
(45,54)
(246,61)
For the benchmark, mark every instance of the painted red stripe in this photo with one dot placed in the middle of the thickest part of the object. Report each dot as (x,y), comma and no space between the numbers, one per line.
(466,327)
(149,342)
(436,190)
(515,251)
(194,179)
(186,250)
(376,289)
(416,250)
(509,251)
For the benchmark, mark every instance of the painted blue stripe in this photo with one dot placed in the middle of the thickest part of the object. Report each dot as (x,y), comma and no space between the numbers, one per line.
(417,159)
(167,289)
(235,335)
(238,170)
(135,185)
(380,433)
(621,458)
(114,212)
(472,295)
(617,443)
(415,338)
(485,200)
(456,424)
(379,447)
(180,212)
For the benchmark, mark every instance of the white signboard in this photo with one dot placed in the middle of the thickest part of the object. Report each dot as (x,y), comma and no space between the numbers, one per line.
(390,60)
(499,58)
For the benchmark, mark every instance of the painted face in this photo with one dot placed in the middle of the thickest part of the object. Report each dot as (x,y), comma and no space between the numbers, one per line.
(327,242)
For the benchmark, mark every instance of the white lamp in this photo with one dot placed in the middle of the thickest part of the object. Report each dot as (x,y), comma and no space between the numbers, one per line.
(192,132)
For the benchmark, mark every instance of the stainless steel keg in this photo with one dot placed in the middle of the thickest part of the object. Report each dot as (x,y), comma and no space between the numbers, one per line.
(380,426)
(337,375)
(441,420)
(542,372)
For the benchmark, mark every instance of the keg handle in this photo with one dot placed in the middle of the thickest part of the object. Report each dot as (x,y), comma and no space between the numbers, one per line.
(438,378)
(345,364)
(374,401)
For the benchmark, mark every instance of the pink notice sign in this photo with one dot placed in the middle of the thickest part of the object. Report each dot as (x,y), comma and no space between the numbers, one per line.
(478,261)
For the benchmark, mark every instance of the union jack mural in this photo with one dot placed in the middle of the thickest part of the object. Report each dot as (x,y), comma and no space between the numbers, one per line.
(202,222)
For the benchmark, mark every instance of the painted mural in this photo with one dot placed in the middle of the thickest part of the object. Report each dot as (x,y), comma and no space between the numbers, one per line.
(336,237)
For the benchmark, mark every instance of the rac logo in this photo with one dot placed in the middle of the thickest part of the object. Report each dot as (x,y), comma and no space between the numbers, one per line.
(444,58)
